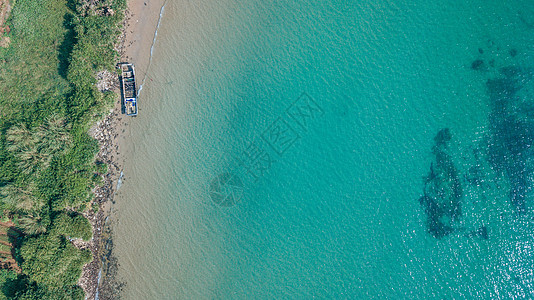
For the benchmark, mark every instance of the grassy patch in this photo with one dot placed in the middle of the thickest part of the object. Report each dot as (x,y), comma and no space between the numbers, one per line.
(31,88)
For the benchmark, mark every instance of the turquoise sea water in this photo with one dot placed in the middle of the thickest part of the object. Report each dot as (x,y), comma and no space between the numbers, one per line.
(288,150)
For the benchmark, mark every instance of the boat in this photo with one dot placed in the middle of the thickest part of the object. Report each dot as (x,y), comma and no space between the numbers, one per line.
(129,91)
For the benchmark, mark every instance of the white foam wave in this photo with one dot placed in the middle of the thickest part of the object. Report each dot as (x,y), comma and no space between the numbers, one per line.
(162,10)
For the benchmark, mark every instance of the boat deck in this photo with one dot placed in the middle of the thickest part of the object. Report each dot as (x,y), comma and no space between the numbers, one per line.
(129,91)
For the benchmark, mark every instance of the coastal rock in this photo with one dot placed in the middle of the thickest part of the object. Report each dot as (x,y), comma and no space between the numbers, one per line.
(103,131)
(106,81)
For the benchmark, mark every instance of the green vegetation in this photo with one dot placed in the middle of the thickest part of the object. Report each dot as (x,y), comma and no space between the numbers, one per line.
(72,226)
(52,261)
(48,102)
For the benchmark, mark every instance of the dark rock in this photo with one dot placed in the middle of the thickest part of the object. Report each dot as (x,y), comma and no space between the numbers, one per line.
(512,135)
(513,52)
(443,137)
(481,232)
(442,191)
(477,65)
(510,71)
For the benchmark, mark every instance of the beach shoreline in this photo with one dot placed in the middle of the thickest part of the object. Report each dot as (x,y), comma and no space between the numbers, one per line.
(134,45)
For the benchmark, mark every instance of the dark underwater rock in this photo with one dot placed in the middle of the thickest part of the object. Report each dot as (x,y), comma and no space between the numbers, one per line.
(443,137)
(501,91)
(511,72)
(513,52)
(442,191)
(475,175)
(511,134)
(477,65)
(481,232)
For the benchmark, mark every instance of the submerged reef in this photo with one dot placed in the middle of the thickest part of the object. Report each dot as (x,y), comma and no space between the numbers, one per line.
(504,154)
(477,64)
(442,192)
(507,147)
(481,233)
(513,52)
(511,132)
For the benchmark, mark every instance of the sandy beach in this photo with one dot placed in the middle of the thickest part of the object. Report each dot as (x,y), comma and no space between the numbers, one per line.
(134,45)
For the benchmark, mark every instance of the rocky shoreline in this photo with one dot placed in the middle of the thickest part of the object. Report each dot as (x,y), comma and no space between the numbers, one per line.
(105,132)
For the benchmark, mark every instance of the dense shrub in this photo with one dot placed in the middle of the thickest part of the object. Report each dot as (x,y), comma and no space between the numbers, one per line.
(52,261)
(72,226)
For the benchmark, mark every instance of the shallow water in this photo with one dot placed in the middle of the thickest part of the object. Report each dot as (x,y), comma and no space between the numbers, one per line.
(282,151)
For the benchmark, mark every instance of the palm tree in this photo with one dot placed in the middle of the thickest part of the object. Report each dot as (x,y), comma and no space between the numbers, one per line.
(19,138)
(53,138)
(53,134)
(19,198)
(29,160)
(36,148)
(22,143)
(33,224)
(9,196)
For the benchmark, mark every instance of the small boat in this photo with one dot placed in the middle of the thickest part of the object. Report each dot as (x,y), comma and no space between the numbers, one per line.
(129,91)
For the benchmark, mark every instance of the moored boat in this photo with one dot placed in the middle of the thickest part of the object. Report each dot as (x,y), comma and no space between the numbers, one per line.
(129,90)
